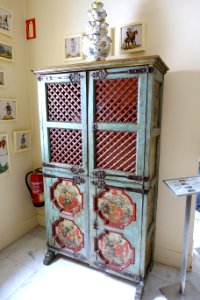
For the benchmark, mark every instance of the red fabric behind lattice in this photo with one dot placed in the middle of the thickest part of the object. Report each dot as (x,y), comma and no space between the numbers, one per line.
(116,150)
(64,102)
(66,146)
(117,100)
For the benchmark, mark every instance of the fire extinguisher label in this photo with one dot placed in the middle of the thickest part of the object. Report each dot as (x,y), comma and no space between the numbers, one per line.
(37,187)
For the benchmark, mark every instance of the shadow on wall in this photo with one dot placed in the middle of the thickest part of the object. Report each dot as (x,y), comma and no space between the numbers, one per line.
(180,152)
(180,139)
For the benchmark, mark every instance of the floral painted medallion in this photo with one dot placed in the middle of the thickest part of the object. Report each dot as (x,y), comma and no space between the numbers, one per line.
(67,197)
(68,235)
(115,250)
(116,208)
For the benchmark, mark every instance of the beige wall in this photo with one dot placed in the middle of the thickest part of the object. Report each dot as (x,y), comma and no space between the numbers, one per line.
(172,33)
(17,215)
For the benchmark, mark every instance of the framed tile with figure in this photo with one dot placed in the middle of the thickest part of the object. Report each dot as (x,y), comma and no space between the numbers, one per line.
(73,47)
(2,78)
(8,109)
(22,140)
(5,21)
(4,155)
(132,37)
(6,52)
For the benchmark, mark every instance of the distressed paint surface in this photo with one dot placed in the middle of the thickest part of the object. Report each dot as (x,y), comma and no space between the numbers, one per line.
(68,235)
(115,250)
(67,197)
(108,222)
(116,208)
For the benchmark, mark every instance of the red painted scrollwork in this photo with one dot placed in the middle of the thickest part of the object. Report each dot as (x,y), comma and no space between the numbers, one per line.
(66,196)
(68,235)
(115,207)
(115,250)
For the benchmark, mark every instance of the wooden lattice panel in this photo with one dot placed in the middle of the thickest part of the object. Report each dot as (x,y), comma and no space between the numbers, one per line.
(117,100)
(66,146)
(64,102)
(116,150)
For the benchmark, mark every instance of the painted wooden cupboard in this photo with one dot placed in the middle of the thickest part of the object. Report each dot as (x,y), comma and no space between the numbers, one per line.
(100,136)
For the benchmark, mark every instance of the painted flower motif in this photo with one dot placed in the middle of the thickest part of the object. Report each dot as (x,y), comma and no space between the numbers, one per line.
(116,250)
(69,234)
(68,202)
(115,214)
(117,208)
(68,196)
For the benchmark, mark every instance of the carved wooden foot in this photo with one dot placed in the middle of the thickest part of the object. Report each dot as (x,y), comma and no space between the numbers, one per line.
(49,256)
(139,290)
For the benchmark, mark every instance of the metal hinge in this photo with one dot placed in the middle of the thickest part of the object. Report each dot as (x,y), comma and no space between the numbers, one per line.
(78,180)
(101,74)
(77,170)
(99,183)
(75,77)
(136,190)
(141,70)
(96,225)
(94,126)
(135,278)
(79,256)
(100,265)
(99,174)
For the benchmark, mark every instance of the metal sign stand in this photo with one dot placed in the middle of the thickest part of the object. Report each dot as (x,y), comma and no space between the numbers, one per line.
(185,290)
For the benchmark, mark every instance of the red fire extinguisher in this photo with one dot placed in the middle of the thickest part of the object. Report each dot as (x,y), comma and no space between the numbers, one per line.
(34,183)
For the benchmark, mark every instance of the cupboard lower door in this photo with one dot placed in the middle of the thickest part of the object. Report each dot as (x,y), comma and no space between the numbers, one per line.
(67,215)
(115,228)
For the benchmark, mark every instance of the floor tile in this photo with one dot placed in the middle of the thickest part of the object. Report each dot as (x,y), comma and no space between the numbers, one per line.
(12,275)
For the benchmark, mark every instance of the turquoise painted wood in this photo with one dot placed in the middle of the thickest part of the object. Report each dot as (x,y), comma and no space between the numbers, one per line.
(116,223)
(100,133)
(67,215)
(60,92)
(139,127)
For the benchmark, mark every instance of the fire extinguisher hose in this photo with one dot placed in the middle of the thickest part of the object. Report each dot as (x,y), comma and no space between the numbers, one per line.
(27,184)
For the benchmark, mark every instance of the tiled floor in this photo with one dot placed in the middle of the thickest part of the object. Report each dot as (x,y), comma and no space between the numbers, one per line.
(24,277)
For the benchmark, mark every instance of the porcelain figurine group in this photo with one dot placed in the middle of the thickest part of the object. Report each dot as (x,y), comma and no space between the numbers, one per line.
(96,42)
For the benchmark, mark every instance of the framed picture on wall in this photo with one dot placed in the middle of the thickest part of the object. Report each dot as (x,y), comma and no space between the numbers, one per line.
(6,51)
(8,110)
(73,47)
(22,140)
(4,155)
(2,78)
(132,37)
(111,31)
(5,21)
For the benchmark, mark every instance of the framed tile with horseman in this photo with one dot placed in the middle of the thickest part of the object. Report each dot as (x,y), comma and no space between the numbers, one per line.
(132,37)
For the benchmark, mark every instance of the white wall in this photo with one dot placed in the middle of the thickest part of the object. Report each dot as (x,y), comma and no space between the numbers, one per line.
(172,30)
(17,215)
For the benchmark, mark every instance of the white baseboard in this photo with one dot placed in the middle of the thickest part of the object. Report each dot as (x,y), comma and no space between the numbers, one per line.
(170,258)
(41,220)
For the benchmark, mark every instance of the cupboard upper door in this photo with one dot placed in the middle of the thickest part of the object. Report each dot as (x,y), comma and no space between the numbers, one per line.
(64,122)
(117,110)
